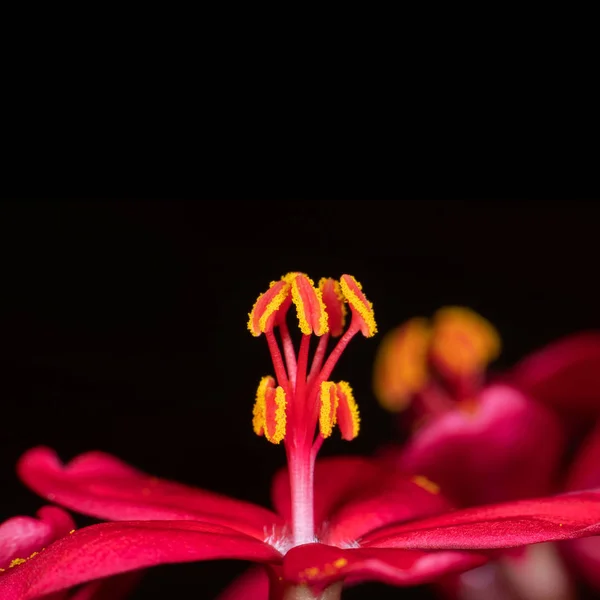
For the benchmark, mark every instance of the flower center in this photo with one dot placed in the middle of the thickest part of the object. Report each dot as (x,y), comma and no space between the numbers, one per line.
(436,363)
(300,405)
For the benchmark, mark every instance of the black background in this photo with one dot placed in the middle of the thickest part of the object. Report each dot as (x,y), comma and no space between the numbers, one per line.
(123,322)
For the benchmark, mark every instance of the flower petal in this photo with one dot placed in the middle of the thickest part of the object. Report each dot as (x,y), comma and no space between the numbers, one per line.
(102,486)
(564,374)
(113,548)
(251,585)
(505,525)
(503,447)
(400,498)
(337,480)
(319,565)
(21,536)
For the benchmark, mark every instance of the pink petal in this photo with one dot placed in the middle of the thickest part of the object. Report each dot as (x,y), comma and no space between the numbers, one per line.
(102,486)
(319,565)
(336,481)
(564,374)
(21,536)
(251,585)
(113,548)
(505,525)
(504,447)
(398,499)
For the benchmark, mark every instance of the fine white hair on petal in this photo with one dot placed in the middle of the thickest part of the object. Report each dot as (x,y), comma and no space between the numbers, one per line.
(278,538)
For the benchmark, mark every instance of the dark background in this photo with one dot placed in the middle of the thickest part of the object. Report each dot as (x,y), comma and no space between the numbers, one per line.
(123,322)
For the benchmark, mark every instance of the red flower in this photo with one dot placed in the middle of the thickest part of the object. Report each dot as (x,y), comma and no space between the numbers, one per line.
(341,519)
(481,442)
(498,441)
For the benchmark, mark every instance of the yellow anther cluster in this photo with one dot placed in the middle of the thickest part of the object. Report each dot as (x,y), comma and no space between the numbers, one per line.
(266,306)
(329,405)
(359,303)
(463,340)
(345,391)
(338,407)
(269,414)
(401,367)
(335,305)
(280,418)
(305,312)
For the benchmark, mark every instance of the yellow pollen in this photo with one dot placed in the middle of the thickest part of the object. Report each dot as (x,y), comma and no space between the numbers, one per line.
(16,561)
(337,290)
(361,305)
(280,418)
(303,311)
(463,341)
(71,532)
(267,311)
(329,405)
(258,413)
(426,484)
(312,572)
(401,364)
(340,563)
(353,427)
(323,326)
(33,554)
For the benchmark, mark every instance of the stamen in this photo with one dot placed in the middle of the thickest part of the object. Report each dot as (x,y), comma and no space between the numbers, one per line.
(309,305)
(269,418)
(288,352)
(263,313)
(275,419)
(276,358)
(302,366)
(426,484)
(401,364)
(318,358)
(348,418)
(328,408)
(333,298)
(312,400)
(463,342)
(362,309)
(258,412)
